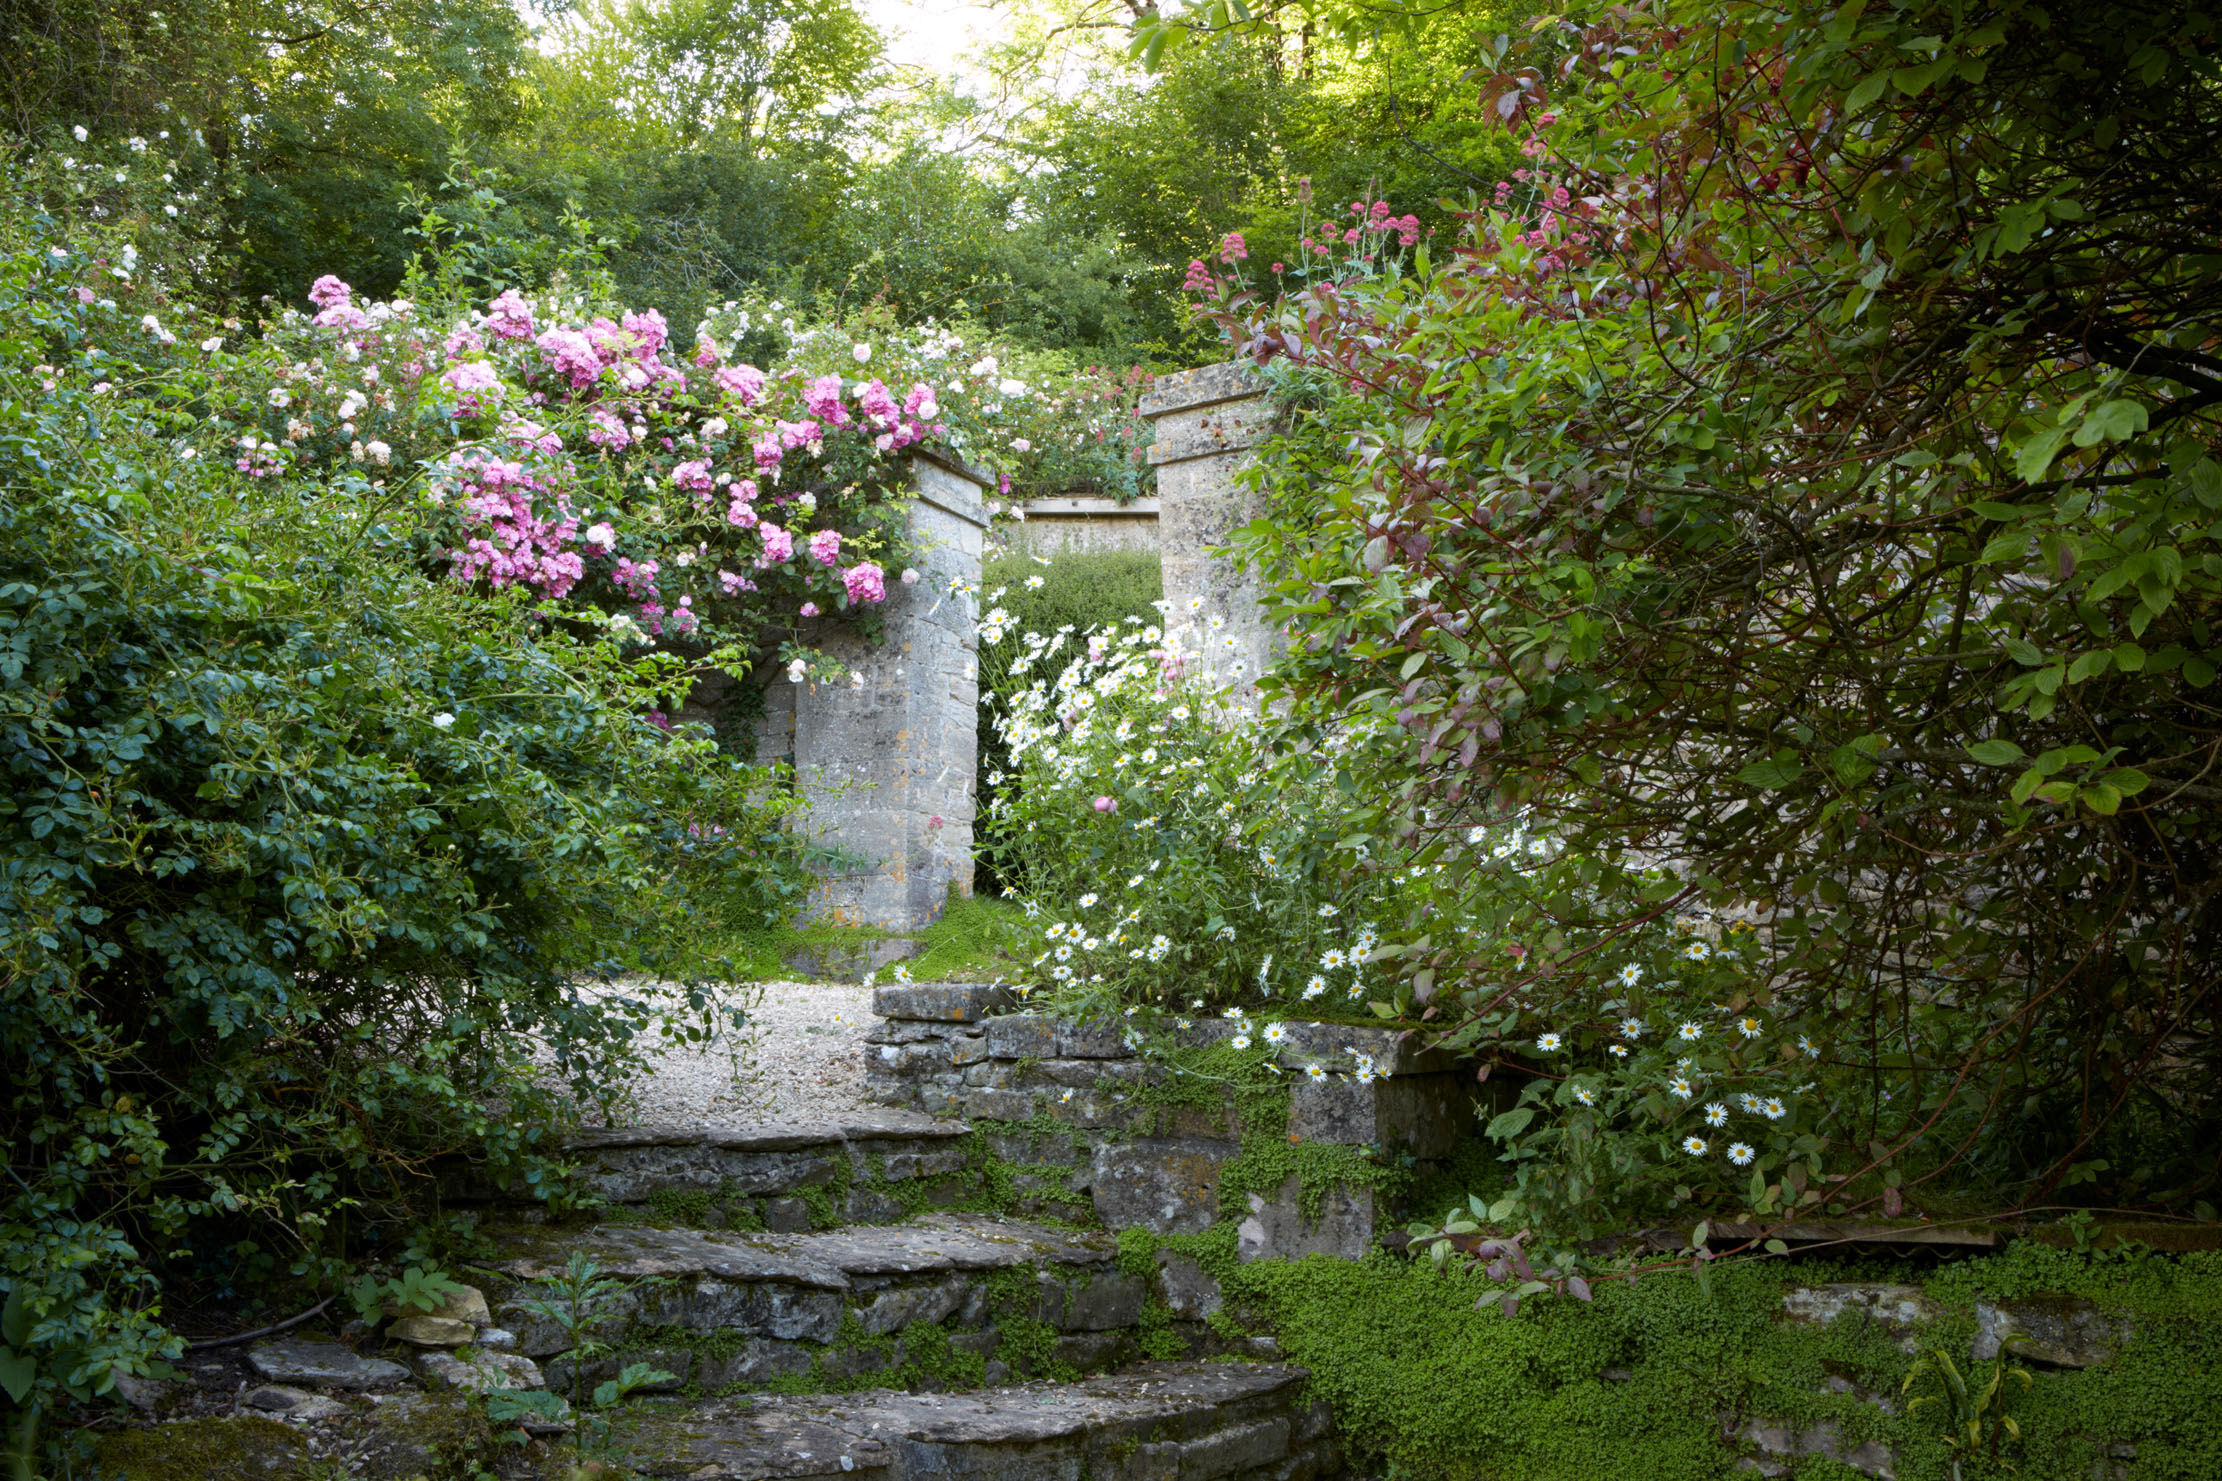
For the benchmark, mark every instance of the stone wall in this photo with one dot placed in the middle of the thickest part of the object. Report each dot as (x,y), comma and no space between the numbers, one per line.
(887,762)
(966,1051)
(1081,524)
(1205,422)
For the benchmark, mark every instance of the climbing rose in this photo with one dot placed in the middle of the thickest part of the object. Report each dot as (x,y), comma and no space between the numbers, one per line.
(865,582)
(826,546)
(328,290)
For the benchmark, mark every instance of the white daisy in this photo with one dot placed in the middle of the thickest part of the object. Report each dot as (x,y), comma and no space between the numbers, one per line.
(1689,1032)
(1697,951)
(1632,1028)
(1774,1110)
(1630,975)
(1548,1043)
(1619,1051)
(1585,1095)
(1315,1072)
(1716,1114)
(1680,1088)
(1741,1153)
(1748,1027)
(1240,1041)
(1694,1145)
(1275,1032)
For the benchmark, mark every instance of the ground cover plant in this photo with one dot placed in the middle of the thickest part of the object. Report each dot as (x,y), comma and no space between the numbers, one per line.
(1792,496)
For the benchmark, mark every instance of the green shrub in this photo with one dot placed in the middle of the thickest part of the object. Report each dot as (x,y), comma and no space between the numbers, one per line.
(313,867)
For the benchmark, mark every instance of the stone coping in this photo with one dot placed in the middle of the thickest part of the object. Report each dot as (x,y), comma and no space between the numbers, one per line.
(963,1005)
(772,1136)
(1207,385)
(934,1244)
(1091,506)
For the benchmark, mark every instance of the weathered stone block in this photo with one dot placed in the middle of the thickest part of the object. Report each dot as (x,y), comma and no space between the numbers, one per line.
(1163,1185)
(996,1105)
(1336,1046)
(1242,1448)
(478,1371)
(2056,1331)
(1103,1301)
(758,1360)
(912,1061)
(1822,1437)
(969,1049)
(891,1308)
(1091,1074)
(307,1363)
(942,1002)
(1899,1309)
(1188,1290)
(793,1313)
(1022,1036)
(1426,1114)
(1277,1228)
(1105,1039)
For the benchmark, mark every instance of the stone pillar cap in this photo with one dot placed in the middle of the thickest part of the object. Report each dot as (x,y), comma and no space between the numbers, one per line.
(1185,390)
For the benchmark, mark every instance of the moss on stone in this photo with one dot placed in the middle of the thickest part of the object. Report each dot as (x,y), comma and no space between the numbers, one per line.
(241,1448)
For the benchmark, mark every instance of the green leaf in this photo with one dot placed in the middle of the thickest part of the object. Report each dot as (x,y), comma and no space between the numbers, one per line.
(1701,1233)
(1510,1124)
(1868,89)
(15,1320)
(1777,1247)
(1769,776)
(2112,421)
(2102,799)
(1996,752)
(2036,455)
(17,1374)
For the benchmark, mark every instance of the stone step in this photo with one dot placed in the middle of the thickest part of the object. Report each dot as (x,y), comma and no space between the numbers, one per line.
(948,1301)
(1149,1422)
(873,1166)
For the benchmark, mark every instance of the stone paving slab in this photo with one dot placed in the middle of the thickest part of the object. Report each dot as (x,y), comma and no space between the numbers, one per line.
(773,1136)
(933,1244)
(1195,1421)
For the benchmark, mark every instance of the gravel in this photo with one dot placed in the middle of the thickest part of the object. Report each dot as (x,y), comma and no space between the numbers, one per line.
(800,1059)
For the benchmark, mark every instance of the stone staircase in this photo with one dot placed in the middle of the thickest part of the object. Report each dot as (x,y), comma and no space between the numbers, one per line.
(894,1293)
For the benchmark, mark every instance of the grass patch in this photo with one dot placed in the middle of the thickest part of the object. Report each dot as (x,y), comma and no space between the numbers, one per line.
(960,947)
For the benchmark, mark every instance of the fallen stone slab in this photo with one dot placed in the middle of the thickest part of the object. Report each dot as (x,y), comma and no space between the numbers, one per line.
(307,1363)
(1193,1421)
(2055,1331)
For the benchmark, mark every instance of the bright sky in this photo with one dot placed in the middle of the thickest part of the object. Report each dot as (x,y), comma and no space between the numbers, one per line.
(938,35)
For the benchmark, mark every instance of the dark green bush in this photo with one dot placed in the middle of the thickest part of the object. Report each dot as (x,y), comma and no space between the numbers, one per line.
(308,860)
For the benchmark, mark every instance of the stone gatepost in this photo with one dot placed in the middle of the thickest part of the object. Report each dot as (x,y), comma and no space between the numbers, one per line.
(1205,422)
(887,762)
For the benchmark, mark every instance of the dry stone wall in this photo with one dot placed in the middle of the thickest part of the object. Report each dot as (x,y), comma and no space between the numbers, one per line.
(1140,1160)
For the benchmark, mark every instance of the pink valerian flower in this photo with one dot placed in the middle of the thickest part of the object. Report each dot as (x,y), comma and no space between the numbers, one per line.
(809,609)
(694,476)
(865,582)
(1199,279)
(1232,248)
(739,512)
(878,404)
(509,316)
(328,290)
(823,397)
(826,546)
(745,383)
(779,545)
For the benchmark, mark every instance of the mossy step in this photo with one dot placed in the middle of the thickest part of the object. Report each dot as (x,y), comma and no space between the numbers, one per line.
(959,1298)
(865,1167)
(1150,1422)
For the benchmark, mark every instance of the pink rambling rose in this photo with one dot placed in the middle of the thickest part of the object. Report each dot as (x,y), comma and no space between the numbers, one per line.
(823,397)
(809,609)
(509,316)
(865,582)
(878,404)
(739,511)
(779,545)
(826,546)
(745,383)
(1106,804)
(920,402)
(329,290)
(693,475)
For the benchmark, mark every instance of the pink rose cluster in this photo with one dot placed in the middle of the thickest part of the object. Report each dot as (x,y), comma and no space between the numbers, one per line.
(517,540)
(865,582)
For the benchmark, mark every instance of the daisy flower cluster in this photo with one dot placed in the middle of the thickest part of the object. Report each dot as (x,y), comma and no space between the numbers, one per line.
(1164,849)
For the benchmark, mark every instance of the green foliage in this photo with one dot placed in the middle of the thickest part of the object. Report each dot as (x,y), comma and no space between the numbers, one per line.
(315,866)
(1819,534)
(1428,1379)
(419,1288)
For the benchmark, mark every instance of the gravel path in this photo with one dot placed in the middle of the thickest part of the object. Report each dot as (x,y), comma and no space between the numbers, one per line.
(802,1060)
